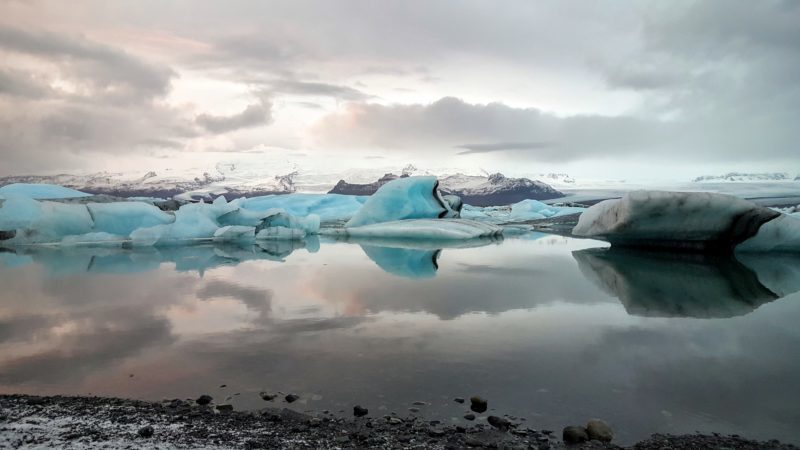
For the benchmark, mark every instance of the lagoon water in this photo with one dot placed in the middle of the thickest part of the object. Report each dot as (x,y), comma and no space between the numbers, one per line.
(548,328)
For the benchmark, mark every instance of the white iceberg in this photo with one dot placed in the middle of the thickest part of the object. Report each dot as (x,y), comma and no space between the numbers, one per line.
(404,198)
(439,229)
(688,220)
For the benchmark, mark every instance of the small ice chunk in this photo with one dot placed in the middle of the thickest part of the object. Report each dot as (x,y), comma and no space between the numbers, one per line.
(404,198)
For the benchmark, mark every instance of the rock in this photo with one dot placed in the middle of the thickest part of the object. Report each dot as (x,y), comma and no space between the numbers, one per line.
(395,420)
(267,396)
(469,416)
(418,403)
(458,400)
(291,398)
(498,422)
(574,435)
(222,386)
(360,411)
(225,408)
(436,432)
(204,399)
(478,404)
(598,430)
(414,410)
(145,432)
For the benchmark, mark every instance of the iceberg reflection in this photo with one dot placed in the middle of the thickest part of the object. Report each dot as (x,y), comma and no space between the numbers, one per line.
(658,284)
(59,260)
(412,258)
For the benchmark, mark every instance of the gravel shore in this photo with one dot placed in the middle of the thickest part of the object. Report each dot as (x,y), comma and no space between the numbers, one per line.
(93,422)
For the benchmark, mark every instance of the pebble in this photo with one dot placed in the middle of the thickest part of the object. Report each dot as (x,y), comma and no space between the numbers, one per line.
(478,404)
(204,399)
(469,416)
(291,398)
(498,422)
(267,396)
(598,430)
(225,408)
(458,400)
(360,411)
(145,432)
(574,435)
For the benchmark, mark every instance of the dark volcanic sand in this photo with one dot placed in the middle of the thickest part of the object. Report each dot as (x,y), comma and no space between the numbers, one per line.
(80,422)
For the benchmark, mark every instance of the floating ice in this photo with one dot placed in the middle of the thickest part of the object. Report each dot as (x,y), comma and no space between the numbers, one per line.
(121,218)
(404,198)
(40,191)
(441,229)
(329,207)
(33,221)
(688,220)
(235,233)
(781,234)
(518,212)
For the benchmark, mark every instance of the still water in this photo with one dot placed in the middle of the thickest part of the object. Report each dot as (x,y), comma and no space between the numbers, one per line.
(548,328)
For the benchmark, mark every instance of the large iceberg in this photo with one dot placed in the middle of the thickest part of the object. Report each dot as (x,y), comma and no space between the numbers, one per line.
(699,221)
(404,198)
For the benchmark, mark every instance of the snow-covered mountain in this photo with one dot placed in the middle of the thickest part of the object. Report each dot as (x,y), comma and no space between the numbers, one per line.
(745,177)
(476,190)
(152,184)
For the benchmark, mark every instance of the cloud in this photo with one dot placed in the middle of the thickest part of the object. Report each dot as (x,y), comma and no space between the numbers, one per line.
(108,70)
(21,84)
(254,115)
(317,89)
(501,147)
(443,124)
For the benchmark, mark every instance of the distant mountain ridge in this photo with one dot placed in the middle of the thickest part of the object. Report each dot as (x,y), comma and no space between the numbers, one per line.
(153,185)
(493,190)
(745,177)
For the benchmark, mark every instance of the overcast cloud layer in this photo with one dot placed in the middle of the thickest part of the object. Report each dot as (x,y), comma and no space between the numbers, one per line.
(503,84)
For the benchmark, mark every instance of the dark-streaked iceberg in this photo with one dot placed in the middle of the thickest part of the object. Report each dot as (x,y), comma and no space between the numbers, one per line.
(697,221)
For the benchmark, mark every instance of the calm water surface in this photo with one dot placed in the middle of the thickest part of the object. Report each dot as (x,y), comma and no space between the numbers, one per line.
(547,328)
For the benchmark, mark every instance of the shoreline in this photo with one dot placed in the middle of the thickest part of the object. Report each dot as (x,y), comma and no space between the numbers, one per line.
(28,421)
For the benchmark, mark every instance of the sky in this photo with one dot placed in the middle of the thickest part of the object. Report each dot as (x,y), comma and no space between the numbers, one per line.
(597,89)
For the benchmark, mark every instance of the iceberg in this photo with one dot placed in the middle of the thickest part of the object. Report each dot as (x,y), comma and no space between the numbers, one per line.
(698,221)
(438,229)
(28,221)
(404,198)
(40,191)
(522,211)
(122,218)
(329,207)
